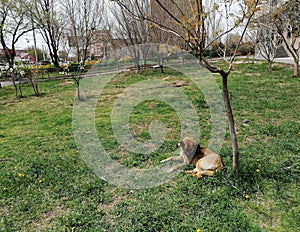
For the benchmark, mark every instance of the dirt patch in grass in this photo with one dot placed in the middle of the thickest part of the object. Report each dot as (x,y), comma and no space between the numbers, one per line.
(66,83)
(45,220)
(179,83)
(109,207)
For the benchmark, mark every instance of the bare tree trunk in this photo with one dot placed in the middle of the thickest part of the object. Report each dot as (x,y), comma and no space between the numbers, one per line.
(13,79)
(161,64)
(270,66)
(35,87)
(16,87)
(235,149)
(37,90)
(78,90)
(296,68)
(20,90)
(138,68)
(161,68)
(77,81)
(118,63)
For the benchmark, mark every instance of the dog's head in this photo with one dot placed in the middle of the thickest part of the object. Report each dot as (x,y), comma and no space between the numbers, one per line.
(188,148)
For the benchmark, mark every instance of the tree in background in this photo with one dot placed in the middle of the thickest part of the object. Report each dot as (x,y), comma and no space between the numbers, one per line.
(63,55)
(14,23)
(214,22)
(47,17)
(85,18)
(190,26)
(278,27)
(267,44)
(132,32)
(287,22)
(65,49)
(31,50)
(164,41)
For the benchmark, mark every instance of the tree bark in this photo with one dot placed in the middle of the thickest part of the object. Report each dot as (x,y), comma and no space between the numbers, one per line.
(296,68)
(235,149)
(13,79)
(35,87)
(270,66)
(20,90)
(161,68)
(77,81)
(15,85)
(230,117)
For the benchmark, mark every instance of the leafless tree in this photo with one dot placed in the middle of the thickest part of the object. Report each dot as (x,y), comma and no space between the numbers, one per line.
(189,24)
(214,18)
(267,44)
(133,32)
(85,18)
(287,22)
(65,49)
(163,41)
(47,17)
(13,25)
(33,76)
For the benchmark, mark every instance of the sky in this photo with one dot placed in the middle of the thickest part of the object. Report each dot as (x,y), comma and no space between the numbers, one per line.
(27,41)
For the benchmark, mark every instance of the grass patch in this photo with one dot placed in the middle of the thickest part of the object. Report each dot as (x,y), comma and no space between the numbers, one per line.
(45,186)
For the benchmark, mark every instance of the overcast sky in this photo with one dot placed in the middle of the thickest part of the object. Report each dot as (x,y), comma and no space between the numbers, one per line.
(27,41)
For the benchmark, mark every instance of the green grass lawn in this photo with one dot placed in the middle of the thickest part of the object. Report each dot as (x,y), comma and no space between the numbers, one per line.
(46,186)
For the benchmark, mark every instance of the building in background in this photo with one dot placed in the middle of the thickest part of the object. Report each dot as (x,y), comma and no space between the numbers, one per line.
(21,56)
(101,44)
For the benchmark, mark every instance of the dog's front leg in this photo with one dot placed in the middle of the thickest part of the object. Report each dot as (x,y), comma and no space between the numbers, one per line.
(178,157)
(175,167)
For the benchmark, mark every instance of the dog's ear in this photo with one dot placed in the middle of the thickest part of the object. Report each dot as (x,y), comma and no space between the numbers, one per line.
(180,144)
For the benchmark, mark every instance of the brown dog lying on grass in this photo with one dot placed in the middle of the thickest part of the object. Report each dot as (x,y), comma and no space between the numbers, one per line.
(206,162)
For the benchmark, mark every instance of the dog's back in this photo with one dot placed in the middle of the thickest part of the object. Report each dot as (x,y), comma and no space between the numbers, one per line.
(209,161)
